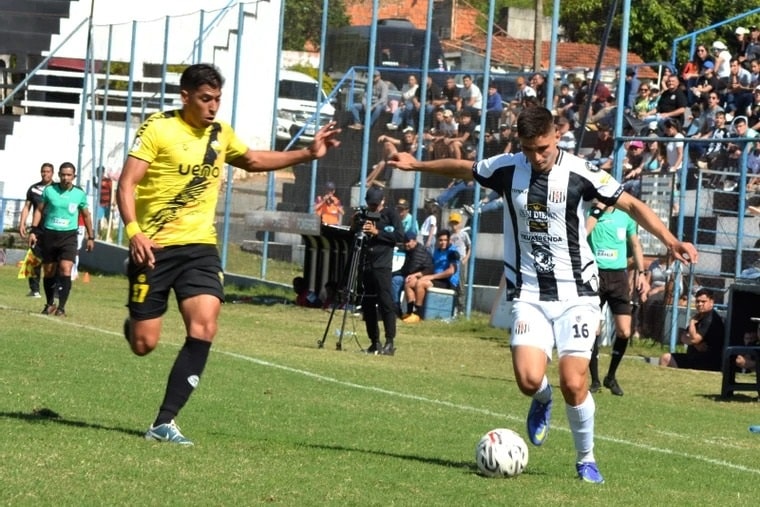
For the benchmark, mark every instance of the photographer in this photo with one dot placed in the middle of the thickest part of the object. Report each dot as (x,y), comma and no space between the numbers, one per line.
(328,206)
(383,230)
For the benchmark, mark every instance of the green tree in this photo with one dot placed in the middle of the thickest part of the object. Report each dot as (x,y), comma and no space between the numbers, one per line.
(653,23)
(303,22)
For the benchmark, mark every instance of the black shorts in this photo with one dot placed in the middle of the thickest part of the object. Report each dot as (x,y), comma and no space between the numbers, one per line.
(190,270)
(613,289)
(696,361)
(58,246)
(442,284)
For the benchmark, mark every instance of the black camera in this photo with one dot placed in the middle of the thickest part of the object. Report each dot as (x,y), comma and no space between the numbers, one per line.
(363,215)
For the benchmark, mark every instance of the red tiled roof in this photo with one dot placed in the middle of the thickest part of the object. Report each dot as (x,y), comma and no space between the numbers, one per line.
(506,51)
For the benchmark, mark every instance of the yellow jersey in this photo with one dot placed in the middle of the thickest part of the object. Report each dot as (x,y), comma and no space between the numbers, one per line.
(175,202)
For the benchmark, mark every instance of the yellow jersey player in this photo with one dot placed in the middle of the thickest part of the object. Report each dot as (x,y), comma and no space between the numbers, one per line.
(167,198)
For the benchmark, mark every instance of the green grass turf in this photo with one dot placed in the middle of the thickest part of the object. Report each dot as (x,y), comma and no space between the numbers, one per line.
(277,420)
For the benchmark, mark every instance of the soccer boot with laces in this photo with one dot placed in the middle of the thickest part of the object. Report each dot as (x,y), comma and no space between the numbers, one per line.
(167,432)
(612,384)
(539,417)
(589,472)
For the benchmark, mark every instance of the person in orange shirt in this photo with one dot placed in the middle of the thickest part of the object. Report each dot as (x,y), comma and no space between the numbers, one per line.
(328,206)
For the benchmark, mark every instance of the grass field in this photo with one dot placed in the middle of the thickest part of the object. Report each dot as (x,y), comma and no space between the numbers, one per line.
(277,420)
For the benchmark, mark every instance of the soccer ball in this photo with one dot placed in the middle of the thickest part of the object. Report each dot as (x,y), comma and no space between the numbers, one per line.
(501,453)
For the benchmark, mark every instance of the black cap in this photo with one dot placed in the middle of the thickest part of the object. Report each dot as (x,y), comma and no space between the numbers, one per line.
(374,195)
(410,236)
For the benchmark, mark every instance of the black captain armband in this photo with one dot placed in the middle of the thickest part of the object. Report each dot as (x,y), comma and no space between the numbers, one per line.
(596,212)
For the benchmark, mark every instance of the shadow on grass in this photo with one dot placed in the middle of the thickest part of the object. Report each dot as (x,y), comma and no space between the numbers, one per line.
(468,466)
(736,398)
(41,415)
(264,299)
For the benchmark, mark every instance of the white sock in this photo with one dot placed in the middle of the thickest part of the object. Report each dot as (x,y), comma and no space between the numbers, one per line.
(581,419)
(544,393)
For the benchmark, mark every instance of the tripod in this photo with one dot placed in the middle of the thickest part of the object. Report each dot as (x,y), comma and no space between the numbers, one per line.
(350,291)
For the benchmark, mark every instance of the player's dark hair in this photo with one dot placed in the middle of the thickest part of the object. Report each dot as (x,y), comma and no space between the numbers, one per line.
(46,164)
(67,165)
(534,122)
(201,74)
(705,292)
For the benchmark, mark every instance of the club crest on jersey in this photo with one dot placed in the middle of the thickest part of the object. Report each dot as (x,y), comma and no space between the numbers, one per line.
(136,144)
(542,258)
(591,167)
(557,196)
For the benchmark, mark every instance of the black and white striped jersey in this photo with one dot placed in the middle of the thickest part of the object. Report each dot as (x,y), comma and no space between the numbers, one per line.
(546,254)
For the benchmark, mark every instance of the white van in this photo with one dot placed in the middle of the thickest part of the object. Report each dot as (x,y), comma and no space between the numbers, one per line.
(296,106)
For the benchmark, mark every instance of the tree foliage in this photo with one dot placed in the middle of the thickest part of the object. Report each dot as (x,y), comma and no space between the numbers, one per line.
(303,22)
(655,24)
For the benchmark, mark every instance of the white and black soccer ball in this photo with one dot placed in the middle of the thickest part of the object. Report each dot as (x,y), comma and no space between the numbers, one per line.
(501,453)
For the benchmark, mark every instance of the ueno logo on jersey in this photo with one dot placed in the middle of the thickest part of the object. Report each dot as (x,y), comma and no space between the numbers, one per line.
(203,170)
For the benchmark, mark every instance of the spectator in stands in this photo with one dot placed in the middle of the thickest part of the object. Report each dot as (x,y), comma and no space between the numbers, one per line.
(753,48)
(703,337)
(739,46)
(566,136)
(654,156)
(672,102)
(602,150)
(417,263)
(404,113)
(463,139)
(691,74)
(747,363)
(445,275)
(754,117)
(754,72)
(377,104)
(738,89)
(715,153)
(472,97)
(381,173)
(673,149)
(633,166)
(721,59)
(740,140)
(430,224)
(438,147)
(709,110)
(523,91)
(494,108)
(450,94)
(433,102)
(407,219)
(644,105)
(328,206)
(508,140)
(707,83)
(564,102)
(538,83)
(460,241)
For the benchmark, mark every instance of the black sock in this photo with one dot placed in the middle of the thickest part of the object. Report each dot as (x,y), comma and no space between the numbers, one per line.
(49,285)
(618,350)
(593,364)
(183,378)
(64,284)
(409,307)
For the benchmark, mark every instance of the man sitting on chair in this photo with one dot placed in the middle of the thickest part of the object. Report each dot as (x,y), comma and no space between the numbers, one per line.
(445,276)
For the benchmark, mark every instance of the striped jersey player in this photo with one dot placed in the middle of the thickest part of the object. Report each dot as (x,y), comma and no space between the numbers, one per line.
(550,270)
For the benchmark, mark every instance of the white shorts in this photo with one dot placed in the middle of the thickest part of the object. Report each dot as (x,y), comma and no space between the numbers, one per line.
(568,325)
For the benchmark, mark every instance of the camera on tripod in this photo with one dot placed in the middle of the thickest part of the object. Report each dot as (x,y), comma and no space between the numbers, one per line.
(363,215)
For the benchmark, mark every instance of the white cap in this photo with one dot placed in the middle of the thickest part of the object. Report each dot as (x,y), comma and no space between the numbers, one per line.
(741,31)
(719,45)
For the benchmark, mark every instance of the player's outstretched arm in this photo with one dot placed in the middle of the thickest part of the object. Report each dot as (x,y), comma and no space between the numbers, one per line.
(452,167)
(262,161)
(645,217)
